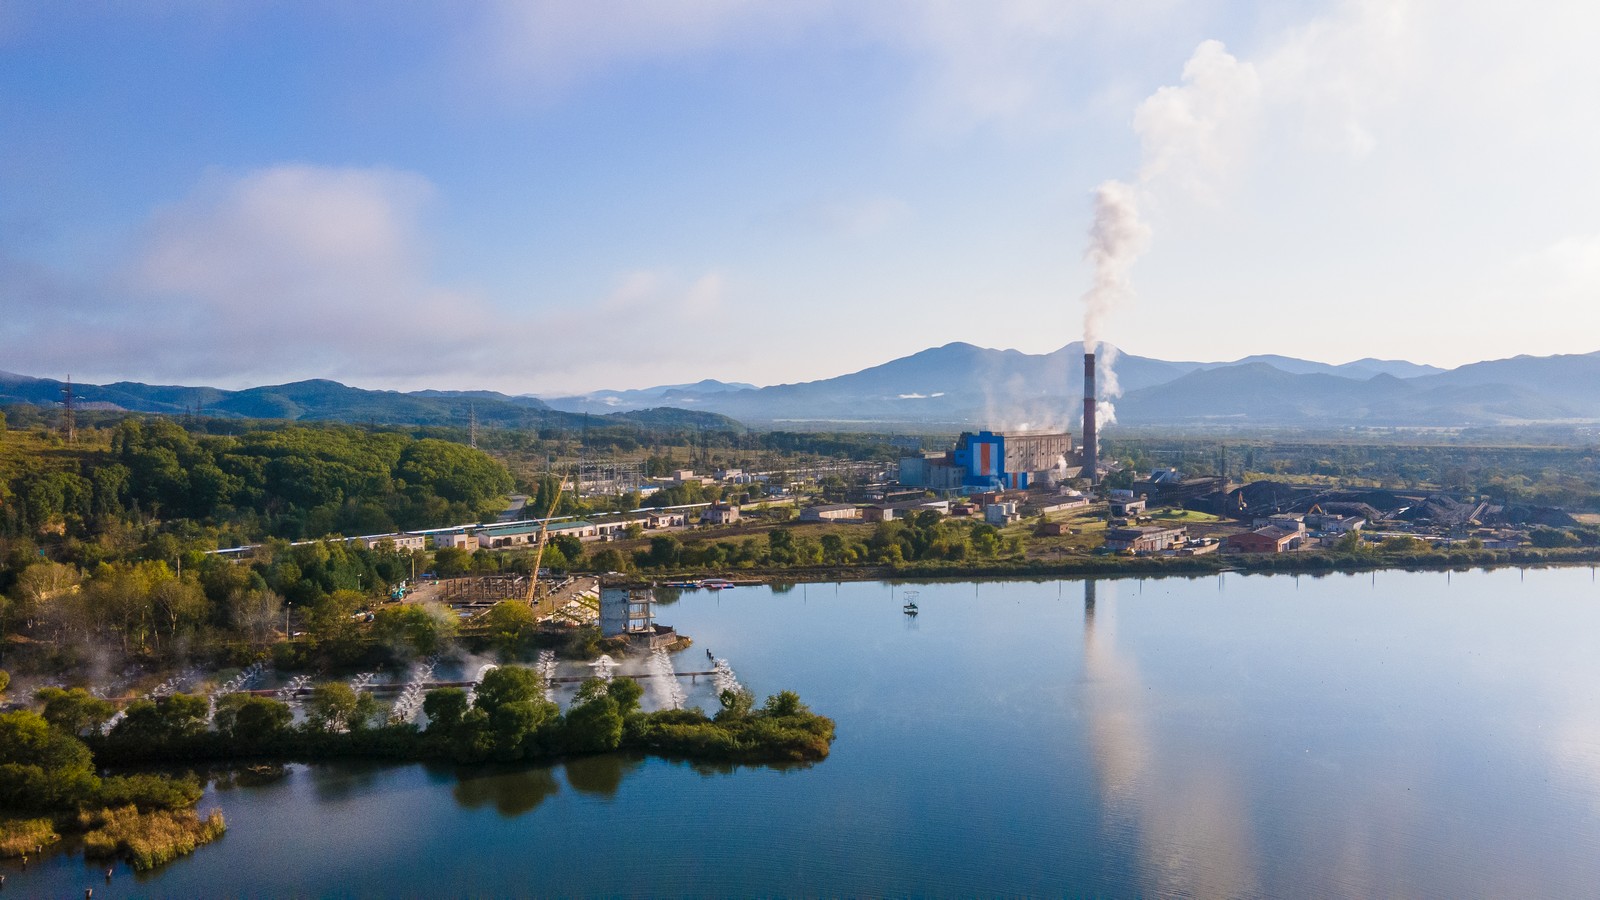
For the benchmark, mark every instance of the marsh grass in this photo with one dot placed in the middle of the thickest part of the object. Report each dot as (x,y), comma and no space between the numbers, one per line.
(19,837)
(148,839)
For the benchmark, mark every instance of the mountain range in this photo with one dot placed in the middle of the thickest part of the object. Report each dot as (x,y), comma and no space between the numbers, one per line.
(320,400)
(962,385)
(957,385)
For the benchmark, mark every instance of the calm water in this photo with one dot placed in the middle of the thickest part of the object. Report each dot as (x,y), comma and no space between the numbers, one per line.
(1403,735)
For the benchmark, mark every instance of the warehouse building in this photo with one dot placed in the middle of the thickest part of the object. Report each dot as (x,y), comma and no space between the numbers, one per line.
(1150,539)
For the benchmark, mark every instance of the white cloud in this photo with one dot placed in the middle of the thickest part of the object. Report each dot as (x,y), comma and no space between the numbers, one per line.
(301,271)
(549,46)
(1195,130)
(321,268)
(1000,61)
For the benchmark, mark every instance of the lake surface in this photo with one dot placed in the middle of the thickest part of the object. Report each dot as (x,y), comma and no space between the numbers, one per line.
(1404,734)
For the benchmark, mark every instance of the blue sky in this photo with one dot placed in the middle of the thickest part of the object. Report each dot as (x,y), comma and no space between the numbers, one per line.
(547,197)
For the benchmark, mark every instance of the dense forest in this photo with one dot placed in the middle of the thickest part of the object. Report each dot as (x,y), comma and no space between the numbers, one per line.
(286,481)
(104,539)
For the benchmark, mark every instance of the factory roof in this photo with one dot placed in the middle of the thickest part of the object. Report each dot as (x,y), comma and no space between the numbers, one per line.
(829,507)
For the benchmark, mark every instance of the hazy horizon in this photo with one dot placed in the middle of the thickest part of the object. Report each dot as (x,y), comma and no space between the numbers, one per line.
(1118,351)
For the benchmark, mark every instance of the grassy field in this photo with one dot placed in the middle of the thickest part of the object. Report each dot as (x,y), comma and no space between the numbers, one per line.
(1185,516)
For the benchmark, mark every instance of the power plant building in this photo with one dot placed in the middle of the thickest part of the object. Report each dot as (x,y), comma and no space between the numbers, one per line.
(991,461)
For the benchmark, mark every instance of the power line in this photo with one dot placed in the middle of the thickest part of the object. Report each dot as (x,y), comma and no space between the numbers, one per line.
(71,419)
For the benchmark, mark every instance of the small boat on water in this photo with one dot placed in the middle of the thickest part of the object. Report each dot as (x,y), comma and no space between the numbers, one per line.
(682,584)
(910,608)
(717,584)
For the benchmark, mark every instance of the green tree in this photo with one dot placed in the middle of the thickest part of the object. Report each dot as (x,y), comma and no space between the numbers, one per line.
(736,704)
(42,767)
(626,693)
(781,546)
(593,726)
(73,710)
(365,713)
(418,628)
(445,708)
(609,560)
(508,684)
(512,700)
(165,719)
(332,706)
(251,720)
(333,618)
(833,549)
(451,562)
(664,551)
(784,703)
(570,546)
(509,623)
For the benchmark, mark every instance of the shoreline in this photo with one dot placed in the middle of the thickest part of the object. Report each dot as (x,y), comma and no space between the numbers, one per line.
(1113,567)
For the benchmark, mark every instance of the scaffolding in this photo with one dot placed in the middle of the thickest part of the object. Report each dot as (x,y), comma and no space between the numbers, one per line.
(609,477)
(482,589)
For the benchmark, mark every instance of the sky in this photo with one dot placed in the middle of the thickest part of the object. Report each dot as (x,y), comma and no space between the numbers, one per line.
(554,197)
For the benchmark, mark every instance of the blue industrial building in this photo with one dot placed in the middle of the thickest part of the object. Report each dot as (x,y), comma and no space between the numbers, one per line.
(991,460)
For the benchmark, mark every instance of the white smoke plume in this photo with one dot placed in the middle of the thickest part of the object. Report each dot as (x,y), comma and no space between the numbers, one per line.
(1116,238)
(1107,386)
(1187,132)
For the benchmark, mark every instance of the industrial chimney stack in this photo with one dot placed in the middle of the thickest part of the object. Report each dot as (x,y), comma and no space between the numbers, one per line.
(1091,451)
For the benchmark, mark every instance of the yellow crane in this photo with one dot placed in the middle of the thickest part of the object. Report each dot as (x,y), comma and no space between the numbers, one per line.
(544,536)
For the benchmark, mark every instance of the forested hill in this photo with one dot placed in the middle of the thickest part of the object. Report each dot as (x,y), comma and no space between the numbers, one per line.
(329,401)
(284,481)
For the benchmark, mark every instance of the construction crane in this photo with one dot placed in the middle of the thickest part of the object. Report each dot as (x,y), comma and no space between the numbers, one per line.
(544,536)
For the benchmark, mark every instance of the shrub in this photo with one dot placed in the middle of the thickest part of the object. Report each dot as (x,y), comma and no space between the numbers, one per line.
(149,792)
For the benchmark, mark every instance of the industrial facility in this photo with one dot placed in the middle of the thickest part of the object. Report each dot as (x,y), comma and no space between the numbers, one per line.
(1012,460)
(992,461)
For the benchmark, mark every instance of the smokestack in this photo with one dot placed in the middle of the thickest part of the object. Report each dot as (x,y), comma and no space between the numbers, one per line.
(1091,451)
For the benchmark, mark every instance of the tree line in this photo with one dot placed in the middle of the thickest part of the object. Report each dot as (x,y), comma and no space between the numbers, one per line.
(282,481)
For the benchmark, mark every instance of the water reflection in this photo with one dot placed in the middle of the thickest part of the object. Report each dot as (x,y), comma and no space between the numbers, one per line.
(228,778)
(512,792)
(600,775)
(333,782)
(1186,815)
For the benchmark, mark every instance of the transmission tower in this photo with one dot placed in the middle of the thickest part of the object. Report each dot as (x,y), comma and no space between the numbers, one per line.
(70,421)
(472,425)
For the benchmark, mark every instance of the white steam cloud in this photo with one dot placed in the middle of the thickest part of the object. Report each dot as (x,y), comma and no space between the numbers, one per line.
(1187,132)
(1116,238)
